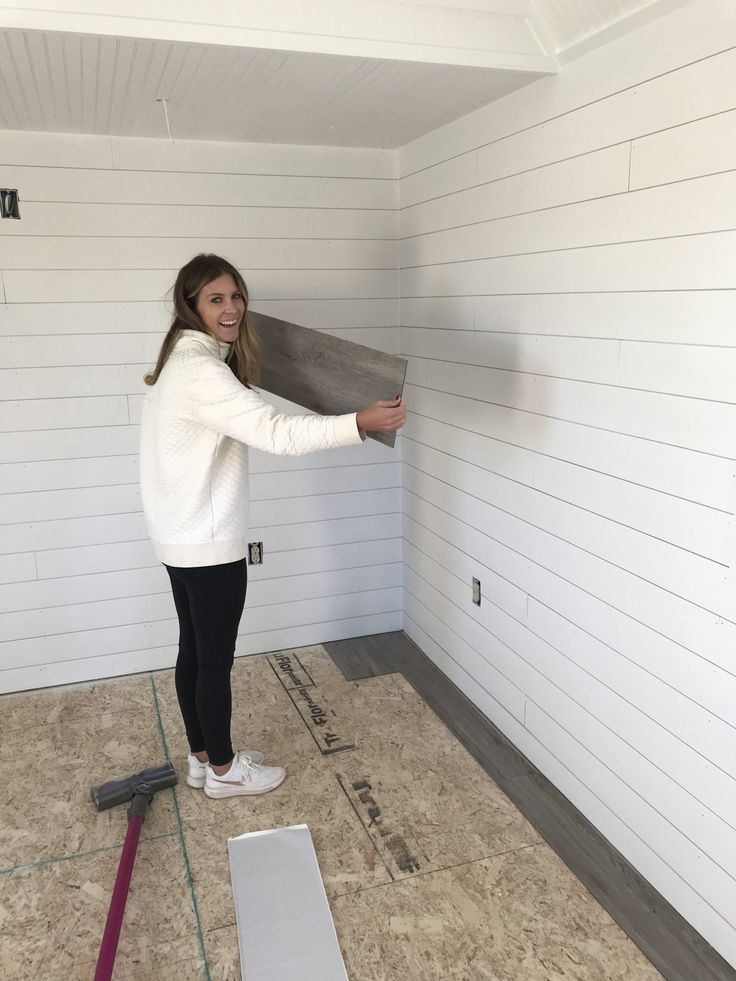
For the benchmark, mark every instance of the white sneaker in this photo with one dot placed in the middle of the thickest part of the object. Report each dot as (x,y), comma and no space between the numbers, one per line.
(244,778)
(197,771)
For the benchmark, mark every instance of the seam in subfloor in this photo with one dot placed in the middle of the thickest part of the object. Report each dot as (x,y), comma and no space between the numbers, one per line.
(42,862)
(182,843)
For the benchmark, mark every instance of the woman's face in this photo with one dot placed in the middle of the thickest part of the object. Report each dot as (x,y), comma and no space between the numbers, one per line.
(221,307)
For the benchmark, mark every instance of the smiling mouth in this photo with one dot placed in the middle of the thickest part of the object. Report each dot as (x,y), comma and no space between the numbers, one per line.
(228,323)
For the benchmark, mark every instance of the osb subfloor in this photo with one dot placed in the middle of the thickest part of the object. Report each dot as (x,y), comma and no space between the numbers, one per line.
(430,871)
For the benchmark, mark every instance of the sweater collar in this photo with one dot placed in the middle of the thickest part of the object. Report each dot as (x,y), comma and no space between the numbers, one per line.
(220,348)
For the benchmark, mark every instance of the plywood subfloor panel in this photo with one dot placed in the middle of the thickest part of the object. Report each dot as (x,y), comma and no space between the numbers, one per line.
(431,871)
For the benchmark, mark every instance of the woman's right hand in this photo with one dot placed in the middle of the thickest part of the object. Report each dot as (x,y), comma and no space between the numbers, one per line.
(382,417)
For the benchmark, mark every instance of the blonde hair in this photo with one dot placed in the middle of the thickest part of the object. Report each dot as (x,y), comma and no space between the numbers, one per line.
(192,277)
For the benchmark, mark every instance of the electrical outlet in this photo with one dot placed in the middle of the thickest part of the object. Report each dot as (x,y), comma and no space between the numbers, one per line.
(476,591)
(255,553)
(9,202)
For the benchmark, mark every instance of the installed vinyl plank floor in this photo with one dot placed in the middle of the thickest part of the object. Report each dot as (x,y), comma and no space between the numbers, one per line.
(431,871)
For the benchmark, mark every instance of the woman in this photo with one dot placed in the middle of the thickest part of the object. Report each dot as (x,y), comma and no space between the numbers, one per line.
(199,417)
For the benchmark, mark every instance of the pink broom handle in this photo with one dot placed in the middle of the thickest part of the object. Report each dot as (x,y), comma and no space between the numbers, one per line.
(109,946)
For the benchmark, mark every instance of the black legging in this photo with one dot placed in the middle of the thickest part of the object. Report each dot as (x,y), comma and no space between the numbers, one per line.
(209,603)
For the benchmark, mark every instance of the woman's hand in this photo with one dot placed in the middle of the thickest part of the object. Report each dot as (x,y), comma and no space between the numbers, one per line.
(382,417)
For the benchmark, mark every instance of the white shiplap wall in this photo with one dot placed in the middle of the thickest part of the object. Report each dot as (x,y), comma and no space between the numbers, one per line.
(569,310)
(105,225)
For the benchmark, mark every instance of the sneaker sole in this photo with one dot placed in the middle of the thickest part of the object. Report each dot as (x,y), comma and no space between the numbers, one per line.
(237,790)
(196,782)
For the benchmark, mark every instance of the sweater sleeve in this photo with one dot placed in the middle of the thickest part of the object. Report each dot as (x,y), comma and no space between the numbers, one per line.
(222,403)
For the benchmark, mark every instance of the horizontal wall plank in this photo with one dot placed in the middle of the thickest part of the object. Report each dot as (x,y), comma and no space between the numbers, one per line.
(196,220)
(696,372)
(43,448)
(218,190)
(16,568)
(694,262)
(24,319)
(21,286)
(208,156)
(63,413)
(93,252)
(692,317)
(705,146)
(323,507)
(53,475)
(66,533)
(334,480)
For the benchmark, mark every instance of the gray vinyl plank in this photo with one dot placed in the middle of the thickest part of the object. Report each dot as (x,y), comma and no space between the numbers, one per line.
(675,948)
(323,373)
(369,657)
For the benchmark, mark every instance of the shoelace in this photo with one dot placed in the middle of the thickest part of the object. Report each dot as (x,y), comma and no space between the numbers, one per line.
(247,762)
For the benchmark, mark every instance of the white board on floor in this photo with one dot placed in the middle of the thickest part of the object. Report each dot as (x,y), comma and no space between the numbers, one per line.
(285,927)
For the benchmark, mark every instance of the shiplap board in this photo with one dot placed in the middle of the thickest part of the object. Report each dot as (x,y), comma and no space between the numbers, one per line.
(108,252)
(22,286)
(197,156)
(104,186)
(695,372)
(83,218)
(24,319)
(704,146)
(692,317)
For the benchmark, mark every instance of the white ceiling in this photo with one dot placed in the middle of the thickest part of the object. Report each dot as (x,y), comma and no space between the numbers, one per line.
(84,84)
(64,81)
(571,21)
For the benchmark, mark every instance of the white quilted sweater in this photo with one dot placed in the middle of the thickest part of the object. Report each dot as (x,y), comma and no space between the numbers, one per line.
(198,422)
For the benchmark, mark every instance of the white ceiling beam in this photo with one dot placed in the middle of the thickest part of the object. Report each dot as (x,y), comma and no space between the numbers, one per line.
(500,35)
